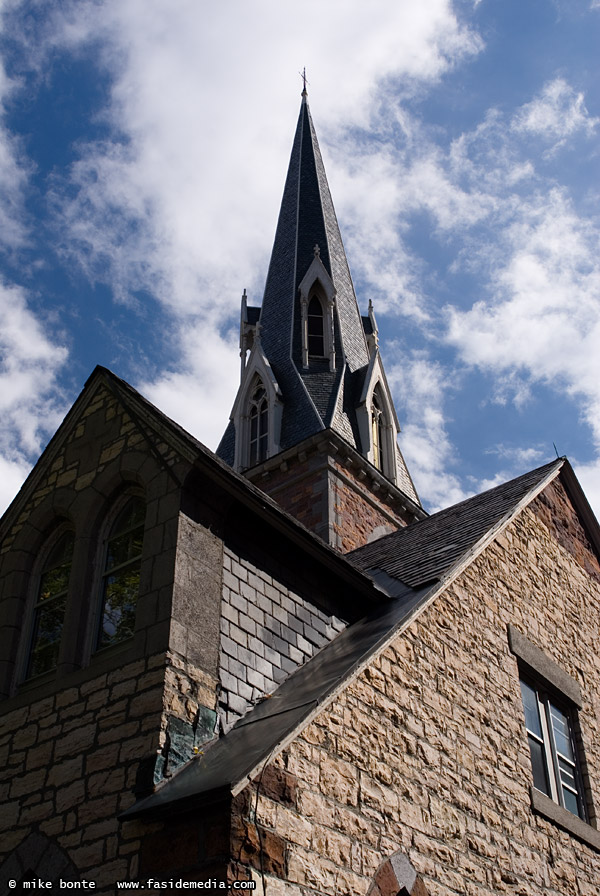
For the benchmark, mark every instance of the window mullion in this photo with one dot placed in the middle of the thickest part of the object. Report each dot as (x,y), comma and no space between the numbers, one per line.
(550,751)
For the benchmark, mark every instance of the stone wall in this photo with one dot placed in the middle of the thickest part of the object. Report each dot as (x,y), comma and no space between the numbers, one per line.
(78,742)
(426,751)
(70,763)
(267,631)
(74,760)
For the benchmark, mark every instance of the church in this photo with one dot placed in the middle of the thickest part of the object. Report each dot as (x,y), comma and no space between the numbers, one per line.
(270,668)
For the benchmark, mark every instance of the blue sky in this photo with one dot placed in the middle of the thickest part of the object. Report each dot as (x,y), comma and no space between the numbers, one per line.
(143,150)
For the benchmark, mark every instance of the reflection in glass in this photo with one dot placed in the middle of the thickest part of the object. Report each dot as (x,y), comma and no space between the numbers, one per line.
(121,580)
(50,607)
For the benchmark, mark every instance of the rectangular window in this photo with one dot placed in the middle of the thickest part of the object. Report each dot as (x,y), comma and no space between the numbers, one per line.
(552,746)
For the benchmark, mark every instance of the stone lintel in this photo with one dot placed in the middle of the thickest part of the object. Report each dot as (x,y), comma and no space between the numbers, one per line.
(543,666)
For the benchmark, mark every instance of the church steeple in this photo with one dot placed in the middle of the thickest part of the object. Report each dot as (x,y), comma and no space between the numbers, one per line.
(310,364)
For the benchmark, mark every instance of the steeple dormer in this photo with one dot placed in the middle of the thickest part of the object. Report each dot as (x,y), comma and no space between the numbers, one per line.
(319,364)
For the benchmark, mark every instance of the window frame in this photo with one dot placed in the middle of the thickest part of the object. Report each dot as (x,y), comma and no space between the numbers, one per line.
(104,573)
(37,605)
(378,432)
(258,424)
(551,756)
(311,334)
(534,665)
(317,285)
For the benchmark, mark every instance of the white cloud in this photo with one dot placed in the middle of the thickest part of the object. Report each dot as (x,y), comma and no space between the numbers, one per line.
(542,320)
(12,475)
(178,205)
(14,171)
(588,475)
(420,386)
(200,394)
(182,203)
(556,114)
(29,407)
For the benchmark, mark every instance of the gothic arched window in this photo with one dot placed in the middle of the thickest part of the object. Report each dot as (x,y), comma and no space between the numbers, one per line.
(316,329)
(258,442)
(377,431)
(121,577)
(49,611)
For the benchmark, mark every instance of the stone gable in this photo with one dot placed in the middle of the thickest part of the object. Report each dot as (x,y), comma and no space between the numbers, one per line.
(426,751)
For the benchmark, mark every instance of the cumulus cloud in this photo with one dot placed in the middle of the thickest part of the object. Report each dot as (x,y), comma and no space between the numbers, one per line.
(200,393)
(535,257)
(29,406)
(174,209)
(182,203)
(557,113)
(542,318)
(420,386)
(14,171)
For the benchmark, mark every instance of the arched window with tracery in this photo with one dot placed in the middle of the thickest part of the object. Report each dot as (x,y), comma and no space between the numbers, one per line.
(258,442)
(377,431)
(121,577)
(49,611)
(316,329)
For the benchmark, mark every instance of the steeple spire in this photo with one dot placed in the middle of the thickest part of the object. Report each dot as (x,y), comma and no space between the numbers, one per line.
(317,361)
(307,218)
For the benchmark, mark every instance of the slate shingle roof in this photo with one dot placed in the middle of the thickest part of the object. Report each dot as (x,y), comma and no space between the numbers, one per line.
(306,219)
(423,551)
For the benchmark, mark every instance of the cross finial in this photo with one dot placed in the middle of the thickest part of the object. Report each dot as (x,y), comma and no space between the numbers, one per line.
(317,251)
(304,81)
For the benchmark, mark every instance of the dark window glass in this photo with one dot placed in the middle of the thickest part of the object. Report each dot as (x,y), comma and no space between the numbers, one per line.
(259,426)
(50,607)
(316,338)
(121,579)
(551,745)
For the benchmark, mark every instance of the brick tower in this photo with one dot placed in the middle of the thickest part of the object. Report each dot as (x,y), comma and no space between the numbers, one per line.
(314,423)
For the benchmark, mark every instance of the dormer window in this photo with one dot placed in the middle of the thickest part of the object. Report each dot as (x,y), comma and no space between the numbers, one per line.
(378,424)
(317,303)
(259,425)
(256,413)
(316,337)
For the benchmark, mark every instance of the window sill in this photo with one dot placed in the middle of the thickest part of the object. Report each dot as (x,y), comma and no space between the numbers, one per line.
(543,805)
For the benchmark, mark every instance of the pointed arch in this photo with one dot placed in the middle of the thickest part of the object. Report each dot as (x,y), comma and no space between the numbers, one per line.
(377,420)
(256,412)
(48,588)
(317,301)
(377,428)
(51,602)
